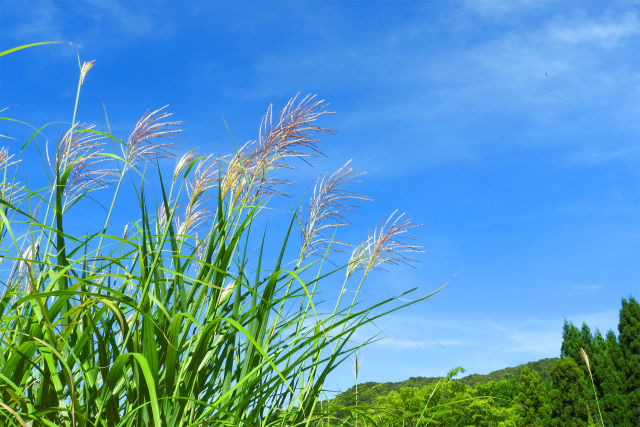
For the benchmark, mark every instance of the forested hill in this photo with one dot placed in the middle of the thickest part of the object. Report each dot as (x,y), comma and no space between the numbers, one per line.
(542,367)
(367,392)
(596,380)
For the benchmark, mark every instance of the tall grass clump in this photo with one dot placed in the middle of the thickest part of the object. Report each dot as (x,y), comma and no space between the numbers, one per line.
(186,316)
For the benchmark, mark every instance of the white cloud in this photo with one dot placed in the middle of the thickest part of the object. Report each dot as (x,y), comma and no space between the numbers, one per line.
(606,32)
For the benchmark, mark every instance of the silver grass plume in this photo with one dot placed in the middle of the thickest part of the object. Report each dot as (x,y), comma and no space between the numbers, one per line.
(205,177)
(327,208)
(8,191)
(81,149)
(186,160)
(86,66)
(387,245)
(143,143)
(292,134)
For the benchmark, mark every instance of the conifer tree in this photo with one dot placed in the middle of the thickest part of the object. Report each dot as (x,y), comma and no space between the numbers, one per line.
(571,341)
(586,340)
(570,406)
(629,338)
(609,378)
(533,394)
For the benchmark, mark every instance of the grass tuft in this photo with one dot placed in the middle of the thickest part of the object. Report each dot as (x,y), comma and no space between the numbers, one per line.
(176,320)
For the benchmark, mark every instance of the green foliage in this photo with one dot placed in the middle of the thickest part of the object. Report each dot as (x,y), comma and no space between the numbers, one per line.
(533,395)
(609,379)
(542,367)
(184,317)
(629,339)
(614,363)
(570,406)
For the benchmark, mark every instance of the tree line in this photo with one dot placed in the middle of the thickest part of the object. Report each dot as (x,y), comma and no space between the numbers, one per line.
(596,381)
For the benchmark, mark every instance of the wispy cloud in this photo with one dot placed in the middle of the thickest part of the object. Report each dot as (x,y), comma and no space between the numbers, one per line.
(557,73)
(532,338)
(399,342)
(40,21)
(86,22)
(606,32)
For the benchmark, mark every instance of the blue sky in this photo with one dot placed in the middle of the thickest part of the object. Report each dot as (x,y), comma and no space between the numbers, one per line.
(508,128)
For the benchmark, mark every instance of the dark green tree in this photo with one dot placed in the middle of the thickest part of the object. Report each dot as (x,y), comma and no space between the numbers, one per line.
(629,339)
(571,341)
(570,407)
(609,378)
(534,396)
(586,339)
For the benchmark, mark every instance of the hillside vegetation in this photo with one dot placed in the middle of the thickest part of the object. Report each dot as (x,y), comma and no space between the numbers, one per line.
(369,391)
(595,381)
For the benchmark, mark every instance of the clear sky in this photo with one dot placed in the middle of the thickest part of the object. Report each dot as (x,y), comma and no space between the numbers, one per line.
(510,129)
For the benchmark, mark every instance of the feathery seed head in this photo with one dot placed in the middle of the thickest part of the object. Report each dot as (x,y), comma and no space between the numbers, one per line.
(358,257)
(586,358)
(161,217)
(357,360)
(292,134)
(86,66)
(142,143)
(248,173)
(195,214)
(8,190)
(81,148)
(185,160)
(205,177)
(328,206)
(4,157)
(237,172)
(388,245)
